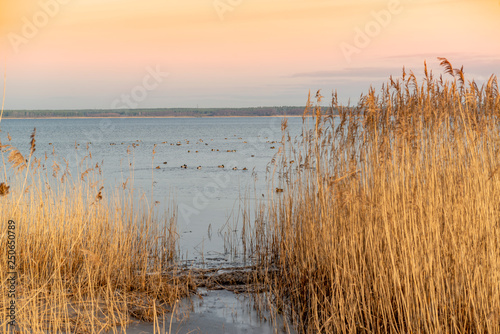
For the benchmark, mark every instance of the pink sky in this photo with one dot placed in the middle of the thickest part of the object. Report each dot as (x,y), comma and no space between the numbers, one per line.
(222,53)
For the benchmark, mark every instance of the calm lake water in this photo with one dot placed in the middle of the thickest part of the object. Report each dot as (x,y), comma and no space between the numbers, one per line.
(208,199)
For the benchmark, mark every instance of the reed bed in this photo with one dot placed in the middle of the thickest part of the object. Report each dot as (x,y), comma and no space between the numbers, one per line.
(389,221)
(88,258)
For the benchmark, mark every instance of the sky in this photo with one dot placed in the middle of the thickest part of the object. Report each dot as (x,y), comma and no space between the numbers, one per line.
(102,54)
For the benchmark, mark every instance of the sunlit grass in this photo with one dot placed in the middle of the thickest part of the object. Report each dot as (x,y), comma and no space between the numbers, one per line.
(389,219)
(88,258)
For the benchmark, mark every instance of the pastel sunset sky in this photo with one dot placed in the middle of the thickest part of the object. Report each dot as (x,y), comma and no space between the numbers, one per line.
(72,54)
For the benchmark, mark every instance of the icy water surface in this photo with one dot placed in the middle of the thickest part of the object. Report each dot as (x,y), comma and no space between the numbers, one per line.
(208,197)
(214,312)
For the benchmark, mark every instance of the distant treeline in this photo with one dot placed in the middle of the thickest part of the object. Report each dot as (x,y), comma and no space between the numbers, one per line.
(163,112)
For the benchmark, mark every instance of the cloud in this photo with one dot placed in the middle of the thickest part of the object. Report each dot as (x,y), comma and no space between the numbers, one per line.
(476,66)
(359,72)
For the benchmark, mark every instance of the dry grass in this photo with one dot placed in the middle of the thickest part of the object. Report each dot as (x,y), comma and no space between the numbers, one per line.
(390,217)
(88,258)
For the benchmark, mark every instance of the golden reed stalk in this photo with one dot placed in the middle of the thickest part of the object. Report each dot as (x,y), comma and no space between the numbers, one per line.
(87,259)
(390,217)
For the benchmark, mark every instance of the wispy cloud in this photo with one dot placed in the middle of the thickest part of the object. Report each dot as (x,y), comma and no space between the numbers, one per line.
(364,72)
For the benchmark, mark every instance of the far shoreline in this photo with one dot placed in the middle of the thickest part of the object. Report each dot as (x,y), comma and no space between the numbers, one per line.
(122,117)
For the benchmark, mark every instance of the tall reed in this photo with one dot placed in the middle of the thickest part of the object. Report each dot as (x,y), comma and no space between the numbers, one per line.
(390,217)
(88,258)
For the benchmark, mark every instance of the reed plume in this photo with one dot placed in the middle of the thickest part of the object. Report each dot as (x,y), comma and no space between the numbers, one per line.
(4,189)
(388,222)
(17,160)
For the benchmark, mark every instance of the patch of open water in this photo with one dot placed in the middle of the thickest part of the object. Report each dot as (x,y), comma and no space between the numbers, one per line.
(226,160)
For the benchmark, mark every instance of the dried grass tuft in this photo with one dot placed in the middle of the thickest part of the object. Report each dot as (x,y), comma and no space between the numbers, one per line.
(83,268)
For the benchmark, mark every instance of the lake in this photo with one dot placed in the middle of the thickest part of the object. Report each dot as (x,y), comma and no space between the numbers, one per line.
(209,199)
